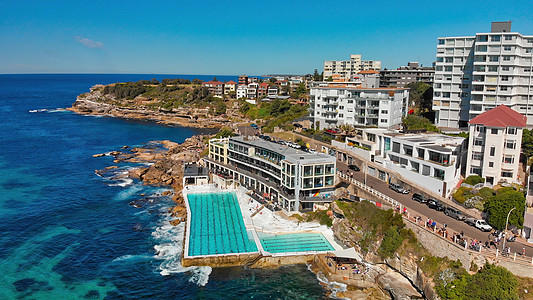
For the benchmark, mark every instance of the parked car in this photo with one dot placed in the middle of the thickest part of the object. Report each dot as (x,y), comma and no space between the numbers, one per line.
(254,126)
(479,224)
(398,188)
(354,168)
(435,204)
(454,213)
(420,198)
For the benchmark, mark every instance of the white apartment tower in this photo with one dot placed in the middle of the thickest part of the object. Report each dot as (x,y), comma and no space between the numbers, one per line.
(348,69)
(333,106)
(474,74)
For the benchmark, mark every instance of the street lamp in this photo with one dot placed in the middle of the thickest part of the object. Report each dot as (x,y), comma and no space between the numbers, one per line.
(505,232)
(365,169)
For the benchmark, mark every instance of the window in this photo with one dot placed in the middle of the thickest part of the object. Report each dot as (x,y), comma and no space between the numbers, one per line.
(384,111)
(480,128)
(511,130)
(508,37)
(395,147)
(508,159)
(493,58)
(507,174)
(441,42)
(505,68)
(506,58)
(439,174)
(477,156)
(383,120)
(475,170)
(478,142)
(491,164)
(505,78)
(495,38)
(493,68)
(503,88)
(506,48)
(308,170)
(319,170)
(492,151)
(510,144)
(494,131)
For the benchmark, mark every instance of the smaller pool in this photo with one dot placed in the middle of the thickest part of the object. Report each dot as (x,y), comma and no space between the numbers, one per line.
(294,242)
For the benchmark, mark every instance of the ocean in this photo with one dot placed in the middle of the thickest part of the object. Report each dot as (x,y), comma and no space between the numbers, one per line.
(68,233)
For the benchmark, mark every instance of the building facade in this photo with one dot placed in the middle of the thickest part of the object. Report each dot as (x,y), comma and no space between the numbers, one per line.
(349,68)
(474,74)
(333,106)
(215,87)
(430,159)
(293,179)
(404,75)
(494,145)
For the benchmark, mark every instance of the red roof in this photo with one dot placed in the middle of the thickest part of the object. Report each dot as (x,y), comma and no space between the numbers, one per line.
(264,84)
(213,83)
(368,72)
(501,116)
(231,82)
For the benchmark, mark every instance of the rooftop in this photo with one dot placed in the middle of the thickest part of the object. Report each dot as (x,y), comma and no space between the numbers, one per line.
(501,116)
(430,140)
(292,155)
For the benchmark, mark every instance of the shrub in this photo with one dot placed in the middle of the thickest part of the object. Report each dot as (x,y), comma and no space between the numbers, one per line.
(474,179)
(462,194)
(392,240)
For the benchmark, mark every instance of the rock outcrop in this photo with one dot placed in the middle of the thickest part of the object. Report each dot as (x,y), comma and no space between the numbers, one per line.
(97,103)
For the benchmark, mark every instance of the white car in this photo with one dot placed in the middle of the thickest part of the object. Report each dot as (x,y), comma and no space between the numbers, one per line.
(482,225)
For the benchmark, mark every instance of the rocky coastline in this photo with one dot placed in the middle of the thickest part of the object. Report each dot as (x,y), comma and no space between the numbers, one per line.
(166,160)
(99,104)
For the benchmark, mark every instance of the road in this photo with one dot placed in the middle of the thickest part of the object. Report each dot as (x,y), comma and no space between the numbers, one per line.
(426,212)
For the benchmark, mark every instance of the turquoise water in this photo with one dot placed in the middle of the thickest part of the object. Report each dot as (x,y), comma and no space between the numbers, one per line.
(67,233)
(295,242)
(217,226)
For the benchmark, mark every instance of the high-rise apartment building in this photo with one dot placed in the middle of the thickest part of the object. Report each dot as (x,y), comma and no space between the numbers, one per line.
(474,74)
(347,69)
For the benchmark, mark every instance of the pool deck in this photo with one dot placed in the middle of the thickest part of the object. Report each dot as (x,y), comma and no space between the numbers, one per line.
(261,258)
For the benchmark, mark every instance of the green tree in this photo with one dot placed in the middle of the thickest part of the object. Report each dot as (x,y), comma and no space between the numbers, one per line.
(197,81)
(225,132)
(497,207)
(492,282)
(329,79)
(474,179)
(527,142)
(317,76)
(414,122)
(421,95)
(300,92)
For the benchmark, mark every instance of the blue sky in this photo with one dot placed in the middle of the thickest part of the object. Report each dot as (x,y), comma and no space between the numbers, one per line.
(234,37)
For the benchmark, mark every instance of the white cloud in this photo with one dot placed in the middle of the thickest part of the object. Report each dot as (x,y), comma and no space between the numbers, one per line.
(88,42)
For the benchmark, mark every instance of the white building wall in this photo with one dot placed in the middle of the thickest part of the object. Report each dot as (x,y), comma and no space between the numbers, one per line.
(474,74)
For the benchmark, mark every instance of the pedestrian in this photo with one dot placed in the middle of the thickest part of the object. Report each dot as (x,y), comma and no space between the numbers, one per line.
(508,251)
(462,234)
(523,251)
(445,226)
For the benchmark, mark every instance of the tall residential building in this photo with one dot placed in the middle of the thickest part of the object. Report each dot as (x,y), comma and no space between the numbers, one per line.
(474,74)
(332,106)
(494,145)
(293,179)
(347,69)
(404,75)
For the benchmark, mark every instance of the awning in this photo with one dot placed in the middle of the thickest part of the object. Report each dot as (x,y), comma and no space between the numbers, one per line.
(348,253)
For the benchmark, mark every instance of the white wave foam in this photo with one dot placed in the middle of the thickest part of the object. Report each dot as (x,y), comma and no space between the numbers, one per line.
(333,286)
(124,182)
(38,110)
(132,257)
(169,250)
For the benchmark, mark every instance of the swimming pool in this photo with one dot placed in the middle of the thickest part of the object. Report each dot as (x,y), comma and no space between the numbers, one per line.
(294,242)
(217,226)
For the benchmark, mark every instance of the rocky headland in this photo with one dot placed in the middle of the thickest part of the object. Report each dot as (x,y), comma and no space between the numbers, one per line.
(141,107)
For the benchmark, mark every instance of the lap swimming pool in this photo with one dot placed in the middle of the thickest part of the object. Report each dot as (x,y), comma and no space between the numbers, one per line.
(217,226)
(295,242)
